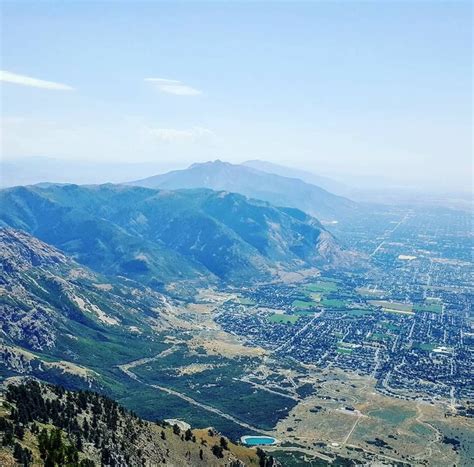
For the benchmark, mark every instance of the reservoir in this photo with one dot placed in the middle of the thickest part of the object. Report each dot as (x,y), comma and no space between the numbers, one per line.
(258,440)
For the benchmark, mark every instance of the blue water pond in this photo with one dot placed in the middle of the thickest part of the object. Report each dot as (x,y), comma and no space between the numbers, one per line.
(258,440)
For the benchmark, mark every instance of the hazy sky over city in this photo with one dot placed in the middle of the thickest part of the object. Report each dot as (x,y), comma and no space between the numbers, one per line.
(370,88)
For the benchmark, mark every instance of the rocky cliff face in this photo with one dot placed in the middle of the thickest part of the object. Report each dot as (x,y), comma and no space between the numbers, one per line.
(45,295)
(25,318)
(21,252)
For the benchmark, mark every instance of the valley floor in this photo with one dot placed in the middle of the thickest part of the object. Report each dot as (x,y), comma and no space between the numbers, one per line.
(322,413)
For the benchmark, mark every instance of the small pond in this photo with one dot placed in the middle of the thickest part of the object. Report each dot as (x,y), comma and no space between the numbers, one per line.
(258,440)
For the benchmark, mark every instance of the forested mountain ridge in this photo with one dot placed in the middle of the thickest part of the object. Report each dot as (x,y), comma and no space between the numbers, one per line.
(47,425)
(159,236)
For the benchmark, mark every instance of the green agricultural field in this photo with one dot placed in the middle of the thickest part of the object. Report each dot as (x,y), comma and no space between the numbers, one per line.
(315,296)
(358,311)
(283,319)
(398,312)
(429,308)
(304,305)
(370,292)
(333,303)
(395,306)
(322,286)
(426,346)
(344,348)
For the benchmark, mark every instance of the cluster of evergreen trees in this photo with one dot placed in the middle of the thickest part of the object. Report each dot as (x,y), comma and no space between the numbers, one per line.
(83,417)
(10,432)
(54,451)
(264,460)
(99,425)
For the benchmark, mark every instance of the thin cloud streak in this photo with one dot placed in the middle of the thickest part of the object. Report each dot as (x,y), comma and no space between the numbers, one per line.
(172,86)
(8,77)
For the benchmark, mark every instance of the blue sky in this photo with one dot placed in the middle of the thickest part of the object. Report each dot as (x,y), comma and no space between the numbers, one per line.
(339,88)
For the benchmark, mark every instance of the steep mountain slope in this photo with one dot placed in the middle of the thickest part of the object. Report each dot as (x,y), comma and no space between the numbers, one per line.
(162,236)
(329,184)
(66,325)
(75,220)
(50,303)
(47,425)
(276,189)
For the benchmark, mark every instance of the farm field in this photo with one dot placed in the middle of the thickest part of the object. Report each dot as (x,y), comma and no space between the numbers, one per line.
(426,346)
(334,303)
(396,306)
(304,305)
(283,318)
(428,308)
(322,286)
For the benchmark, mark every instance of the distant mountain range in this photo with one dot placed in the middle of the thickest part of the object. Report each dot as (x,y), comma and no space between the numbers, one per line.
(276,189)
(32,170)
(161,236)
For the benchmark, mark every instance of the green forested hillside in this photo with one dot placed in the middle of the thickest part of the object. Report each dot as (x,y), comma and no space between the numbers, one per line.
(161,236)
(47,425)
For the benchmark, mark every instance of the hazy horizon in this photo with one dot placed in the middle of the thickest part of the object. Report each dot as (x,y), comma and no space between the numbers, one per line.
(236,233)
(349,91)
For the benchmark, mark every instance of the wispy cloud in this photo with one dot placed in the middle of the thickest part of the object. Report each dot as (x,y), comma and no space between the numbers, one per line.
(8,77)
(172,135)
(172,86)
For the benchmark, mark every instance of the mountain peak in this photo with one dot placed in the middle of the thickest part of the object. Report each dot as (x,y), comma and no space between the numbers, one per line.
(281,189)
(214,163)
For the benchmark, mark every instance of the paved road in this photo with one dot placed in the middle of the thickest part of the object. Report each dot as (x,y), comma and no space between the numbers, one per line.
(388,233)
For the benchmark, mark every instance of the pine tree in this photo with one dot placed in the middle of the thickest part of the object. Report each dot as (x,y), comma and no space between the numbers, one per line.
(217,451)
(19,432)
(224,444)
